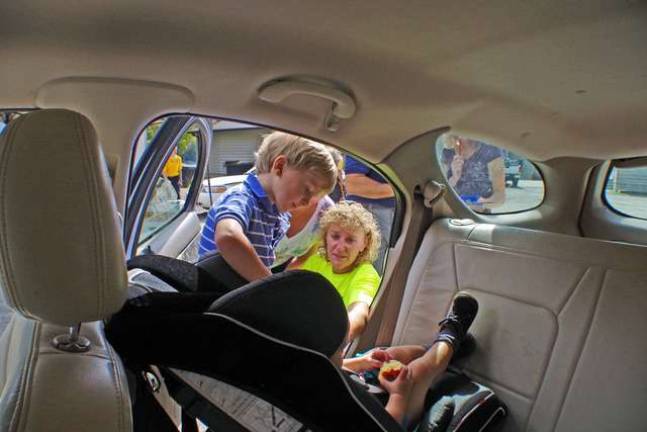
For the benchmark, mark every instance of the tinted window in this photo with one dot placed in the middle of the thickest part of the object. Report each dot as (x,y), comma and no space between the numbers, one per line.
(487,178)
(626,191)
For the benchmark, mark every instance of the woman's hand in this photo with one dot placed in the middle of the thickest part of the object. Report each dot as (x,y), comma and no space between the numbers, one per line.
(380,355)
(370,360)
(457,170)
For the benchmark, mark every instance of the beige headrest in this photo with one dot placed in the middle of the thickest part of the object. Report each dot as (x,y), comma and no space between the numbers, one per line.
(61,254)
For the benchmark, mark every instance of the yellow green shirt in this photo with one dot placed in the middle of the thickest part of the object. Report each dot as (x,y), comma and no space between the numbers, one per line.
(359,285)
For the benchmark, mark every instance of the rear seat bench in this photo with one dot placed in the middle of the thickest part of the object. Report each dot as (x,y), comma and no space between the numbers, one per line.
(561,328)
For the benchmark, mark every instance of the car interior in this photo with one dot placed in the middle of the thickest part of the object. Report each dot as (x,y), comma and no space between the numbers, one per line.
(97,95)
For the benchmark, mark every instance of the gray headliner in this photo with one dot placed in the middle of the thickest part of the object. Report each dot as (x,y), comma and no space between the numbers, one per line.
(546,79)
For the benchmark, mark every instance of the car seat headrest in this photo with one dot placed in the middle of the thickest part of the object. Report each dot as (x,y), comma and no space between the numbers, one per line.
(298,307)
(61,254)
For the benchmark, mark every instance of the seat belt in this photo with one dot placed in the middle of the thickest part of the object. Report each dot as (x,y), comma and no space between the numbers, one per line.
(421,217)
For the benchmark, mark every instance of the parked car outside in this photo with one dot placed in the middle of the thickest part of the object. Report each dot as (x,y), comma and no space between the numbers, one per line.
(513,167)
(213,187)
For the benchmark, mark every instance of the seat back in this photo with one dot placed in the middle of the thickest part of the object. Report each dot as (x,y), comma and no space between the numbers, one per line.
(61,265)
(271,339)
(559,330)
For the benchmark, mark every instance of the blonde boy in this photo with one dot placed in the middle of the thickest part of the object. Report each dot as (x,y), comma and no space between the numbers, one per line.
(247,222)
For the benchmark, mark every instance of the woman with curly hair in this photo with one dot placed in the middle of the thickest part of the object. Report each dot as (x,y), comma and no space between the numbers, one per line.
(350,240)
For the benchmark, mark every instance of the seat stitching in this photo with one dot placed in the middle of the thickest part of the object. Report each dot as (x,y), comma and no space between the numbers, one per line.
(416,289)
(572,290)
(117,382)
(552,350)
(22,404)
(96,218)
(583,345)
(485,380)
(7,274)
(515,299)
(494,247)
(74,355)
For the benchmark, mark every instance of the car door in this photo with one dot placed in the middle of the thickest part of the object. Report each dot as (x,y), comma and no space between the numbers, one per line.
(166,173)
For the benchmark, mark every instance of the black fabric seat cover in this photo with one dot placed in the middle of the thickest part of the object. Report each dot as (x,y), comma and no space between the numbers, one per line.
(271,338)
(211,274)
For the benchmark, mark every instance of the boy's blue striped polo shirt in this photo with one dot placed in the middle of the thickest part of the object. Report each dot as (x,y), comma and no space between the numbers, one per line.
(248,204)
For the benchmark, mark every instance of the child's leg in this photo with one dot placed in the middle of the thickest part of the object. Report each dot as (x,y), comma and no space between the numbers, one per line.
(424,370)
(406,353)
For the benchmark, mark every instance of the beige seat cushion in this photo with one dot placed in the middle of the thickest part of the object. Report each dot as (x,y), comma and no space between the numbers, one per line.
(561,323)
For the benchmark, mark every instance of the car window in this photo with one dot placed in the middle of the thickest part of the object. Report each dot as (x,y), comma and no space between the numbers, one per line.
(233,146)
(365,185)
(7,117)
(489,179)
(232,158)
(171,186)
(145,139)
(626,191)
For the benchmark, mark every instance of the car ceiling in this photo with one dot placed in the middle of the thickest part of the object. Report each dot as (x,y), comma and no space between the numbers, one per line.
(544,79)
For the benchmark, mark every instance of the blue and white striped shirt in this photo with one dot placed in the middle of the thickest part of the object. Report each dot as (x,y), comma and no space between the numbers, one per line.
(248,204)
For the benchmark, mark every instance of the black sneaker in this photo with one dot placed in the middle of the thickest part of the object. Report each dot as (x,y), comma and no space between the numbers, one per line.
(458,320)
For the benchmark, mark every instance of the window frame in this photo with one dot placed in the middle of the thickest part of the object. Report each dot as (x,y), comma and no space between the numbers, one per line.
(438,154)
(149,167)
(637,162)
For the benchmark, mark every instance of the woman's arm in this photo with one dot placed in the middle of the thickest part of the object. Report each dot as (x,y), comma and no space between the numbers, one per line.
(457,170)
(358,318)
(496,171)
(370,360)
(360,185)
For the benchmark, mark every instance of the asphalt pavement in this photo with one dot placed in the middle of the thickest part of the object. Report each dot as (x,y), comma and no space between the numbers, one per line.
(530,193)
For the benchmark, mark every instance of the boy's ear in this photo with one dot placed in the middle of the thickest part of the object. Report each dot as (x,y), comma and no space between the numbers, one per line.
(279,163)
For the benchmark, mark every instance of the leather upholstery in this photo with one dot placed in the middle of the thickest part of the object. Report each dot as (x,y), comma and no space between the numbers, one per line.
(61,254)
(50,390)
(559,330)
(61,263)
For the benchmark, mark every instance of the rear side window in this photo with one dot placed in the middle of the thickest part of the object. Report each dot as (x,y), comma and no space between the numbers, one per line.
(626,191)
(6,117)
(489,179)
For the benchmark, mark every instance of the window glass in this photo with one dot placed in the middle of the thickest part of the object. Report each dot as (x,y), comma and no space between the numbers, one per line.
(146,138)
(169,192)
(233,145)
(487,178)
(231,157)
(368,187)
(626,191)
(6,117)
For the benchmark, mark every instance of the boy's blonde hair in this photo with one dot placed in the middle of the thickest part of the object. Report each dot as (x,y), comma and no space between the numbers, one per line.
(301,153)
(352,216)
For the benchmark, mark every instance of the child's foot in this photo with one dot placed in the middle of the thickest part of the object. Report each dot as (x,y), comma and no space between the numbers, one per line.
(458,320)
(466,348)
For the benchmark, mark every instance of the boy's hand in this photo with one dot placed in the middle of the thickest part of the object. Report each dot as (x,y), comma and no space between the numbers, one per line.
(400,386)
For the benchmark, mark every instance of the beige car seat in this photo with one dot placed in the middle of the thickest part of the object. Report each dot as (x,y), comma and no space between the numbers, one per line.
(62,271)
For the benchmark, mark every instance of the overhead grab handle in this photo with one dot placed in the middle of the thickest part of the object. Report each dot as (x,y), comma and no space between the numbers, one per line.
(343,104)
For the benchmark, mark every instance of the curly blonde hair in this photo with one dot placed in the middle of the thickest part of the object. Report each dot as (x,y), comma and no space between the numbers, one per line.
(352,216)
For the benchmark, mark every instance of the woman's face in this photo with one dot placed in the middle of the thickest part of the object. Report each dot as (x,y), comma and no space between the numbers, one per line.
(343,246)
(465,146)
